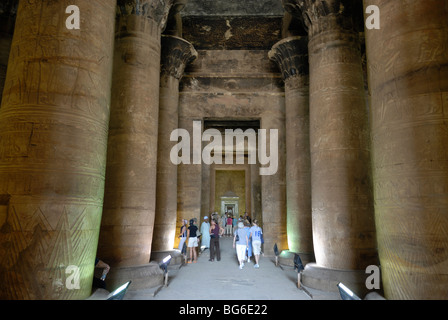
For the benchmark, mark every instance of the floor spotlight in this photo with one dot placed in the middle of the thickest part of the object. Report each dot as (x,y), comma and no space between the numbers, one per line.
(298,263)
(165,262)
(346,293)
(118,294)
(164,266)
(299,266)
(277,253)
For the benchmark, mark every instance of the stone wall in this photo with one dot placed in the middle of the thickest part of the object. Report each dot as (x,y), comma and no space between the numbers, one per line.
(230,180)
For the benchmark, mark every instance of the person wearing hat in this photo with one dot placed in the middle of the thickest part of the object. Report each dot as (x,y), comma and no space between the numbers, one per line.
(205,227)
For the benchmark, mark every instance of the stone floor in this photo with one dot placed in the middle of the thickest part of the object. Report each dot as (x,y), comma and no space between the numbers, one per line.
(223,280)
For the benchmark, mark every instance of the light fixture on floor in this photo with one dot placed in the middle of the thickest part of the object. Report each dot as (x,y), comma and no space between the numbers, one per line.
(164,266)
(299,266)
(277,253)
(298,263)
(165,262)
(118,294)
(346,293)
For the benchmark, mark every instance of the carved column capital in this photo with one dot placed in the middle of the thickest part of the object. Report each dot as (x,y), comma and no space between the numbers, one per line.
(291,56)
(321,15)
(176,54)
(174,21)
(156,10)
(178,6)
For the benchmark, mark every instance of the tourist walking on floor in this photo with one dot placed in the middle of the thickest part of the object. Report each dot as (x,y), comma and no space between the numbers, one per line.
(215,232)
(256,234)
(240,243)
(192,241)
(229,226)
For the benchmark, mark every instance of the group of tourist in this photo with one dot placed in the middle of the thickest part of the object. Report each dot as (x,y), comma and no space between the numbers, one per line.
(230,223)
(247,238)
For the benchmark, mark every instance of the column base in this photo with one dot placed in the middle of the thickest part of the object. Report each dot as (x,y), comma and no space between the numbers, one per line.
(320,278)
(176,257)
(142,277)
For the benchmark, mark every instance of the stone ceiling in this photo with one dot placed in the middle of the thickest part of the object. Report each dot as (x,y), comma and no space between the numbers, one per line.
(233,8)
(241,24)
(232,24)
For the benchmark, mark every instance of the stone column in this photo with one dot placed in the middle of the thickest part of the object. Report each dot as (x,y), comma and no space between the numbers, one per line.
(189,176)
(130,192)
(176,54)
(408,81)
(291,55)
(212,188)
(8,11)
(273,187)
(255,190)
(342,207)
(53,139)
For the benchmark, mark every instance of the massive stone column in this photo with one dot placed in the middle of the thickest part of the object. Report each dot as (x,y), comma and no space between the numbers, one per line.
(255,190)
(342,207)
(189,176)
(408,81)
(273,184)
(53,138)
(130,191)
(176,54)
(291,55)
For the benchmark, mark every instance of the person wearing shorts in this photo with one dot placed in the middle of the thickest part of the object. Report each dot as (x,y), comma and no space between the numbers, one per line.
(255,233)
(192,241)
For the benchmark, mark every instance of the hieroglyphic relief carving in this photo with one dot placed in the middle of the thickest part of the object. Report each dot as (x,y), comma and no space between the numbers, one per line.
(407,82)
(53,133)
(37,245)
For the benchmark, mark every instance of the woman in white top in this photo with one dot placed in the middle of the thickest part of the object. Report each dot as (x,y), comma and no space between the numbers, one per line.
(240,242)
